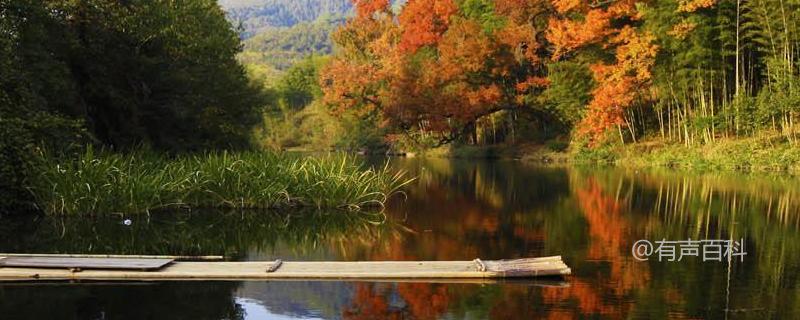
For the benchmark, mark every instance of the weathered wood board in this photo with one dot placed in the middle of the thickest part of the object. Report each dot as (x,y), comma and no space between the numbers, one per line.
(84,263)
(520,268)
(550,282)
(61,255)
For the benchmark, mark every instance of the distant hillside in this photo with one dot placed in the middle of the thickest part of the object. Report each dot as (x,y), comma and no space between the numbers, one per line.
(256,16)
(278,33)
(240,3)
(281,47)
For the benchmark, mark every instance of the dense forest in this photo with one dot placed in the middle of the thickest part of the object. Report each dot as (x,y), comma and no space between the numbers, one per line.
(593,73)
(280,48)
(688,70)
(277,34)
(254,17)
(137,106)
(119,75)
(404,75)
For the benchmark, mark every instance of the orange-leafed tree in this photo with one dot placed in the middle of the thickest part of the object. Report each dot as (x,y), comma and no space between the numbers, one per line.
(354,80)
(366,9)
(424,21)
(435,69)
(618,84)
(567,35)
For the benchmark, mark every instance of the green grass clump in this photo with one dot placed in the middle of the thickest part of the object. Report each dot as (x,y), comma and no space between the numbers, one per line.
(603,154)
(99,183)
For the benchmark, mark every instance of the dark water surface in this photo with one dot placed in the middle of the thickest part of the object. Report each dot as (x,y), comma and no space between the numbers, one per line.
(456,210)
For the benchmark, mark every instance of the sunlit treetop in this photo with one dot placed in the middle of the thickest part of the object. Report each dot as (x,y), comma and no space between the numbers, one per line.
(694,5)
(366,9)
(438,67)
(424,21)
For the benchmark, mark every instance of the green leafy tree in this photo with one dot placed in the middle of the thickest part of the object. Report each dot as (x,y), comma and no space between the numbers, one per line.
(121,74)
(569,91)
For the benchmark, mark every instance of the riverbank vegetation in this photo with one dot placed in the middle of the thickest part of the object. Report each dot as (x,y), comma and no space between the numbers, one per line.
(685,75)
(159,75)
(684,81)
(118,75)
(744,154)
(143,182)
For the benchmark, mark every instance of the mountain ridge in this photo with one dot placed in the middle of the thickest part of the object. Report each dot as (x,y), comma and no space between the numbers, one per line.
(256,16)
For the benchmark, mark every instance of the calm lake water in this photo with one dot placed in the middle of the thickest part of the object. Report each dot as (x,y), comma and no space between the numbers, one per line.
(456,210)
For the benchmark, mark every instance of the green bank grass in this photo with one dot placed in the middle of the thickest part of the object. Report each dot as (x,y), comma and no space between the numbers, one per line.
(757,154)
(98,183)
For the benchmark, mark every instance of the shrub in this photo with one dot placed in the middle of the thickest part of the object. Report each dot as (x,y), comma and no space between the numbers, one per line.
(23,140)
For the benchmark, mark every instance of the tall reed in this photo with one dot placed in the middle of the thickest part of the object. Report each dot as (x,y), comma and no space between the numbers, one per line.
(98,183)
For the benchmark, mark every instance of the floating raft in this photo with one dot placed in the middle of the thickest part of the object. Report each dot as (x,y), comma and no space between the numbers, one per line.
(18,268)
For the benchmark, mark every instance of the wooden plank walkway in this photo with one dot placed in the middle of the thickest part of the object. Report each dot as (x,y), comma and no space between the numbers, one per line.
(85,263)
(476,269)
(550,282)
(126,256)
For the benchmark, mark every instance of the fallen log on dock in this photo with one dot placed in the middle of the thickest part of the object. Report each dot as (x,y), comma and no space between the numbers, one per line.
(71,269)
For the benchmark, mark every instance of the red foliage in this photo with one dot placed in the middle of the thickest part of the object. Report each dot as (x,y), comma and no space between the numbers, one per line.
(369,303)
(365,9)
(468,73)
(425,300)
(567,35)
(610,241)
(424,21)
(619,83)
(422,301)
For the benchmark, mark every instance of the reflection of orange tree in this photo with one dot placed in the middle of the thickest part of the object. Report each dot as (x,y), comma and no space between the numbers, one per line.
(611,236)
(446,240)
(425,300)
(454,226)
(610,239)
(448,225)
(422,301)
(463,225)
(606,225)
(368,303)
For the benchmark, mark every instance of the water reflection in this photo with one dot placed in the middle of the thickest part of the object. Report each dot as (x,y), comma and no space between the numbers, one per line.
(463,210)
(167,300)
(232,234)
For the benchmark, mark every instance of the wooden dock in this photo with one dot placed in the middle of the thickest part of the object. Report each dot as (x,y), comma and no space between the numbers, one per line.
(115,269)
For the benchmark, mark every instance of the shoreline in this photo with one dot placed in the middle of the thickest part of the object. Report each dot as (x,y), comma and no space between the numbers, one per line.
(736,155)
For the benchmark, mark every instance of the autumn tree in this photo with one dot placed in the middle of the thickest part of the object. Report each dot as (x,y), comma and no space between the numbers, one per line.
(366,9)
(622,82)
(437,70)
(423,22)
